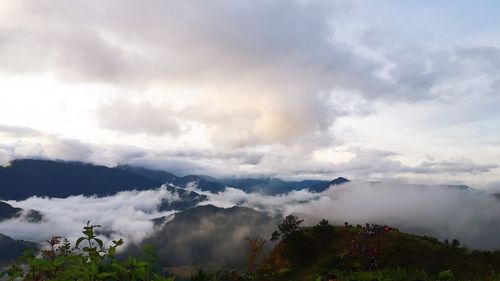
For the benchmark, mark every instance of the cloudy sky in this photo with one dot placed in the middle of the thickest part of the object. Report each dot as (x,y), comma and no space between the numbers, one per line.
(371,90)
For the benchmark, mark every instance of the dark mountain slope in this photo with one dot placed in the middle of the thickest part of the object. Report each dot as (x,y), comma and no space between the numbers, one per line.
(11,249)
(25,178)
(209,236)
(268,186)
(9,212)
(150,174)
(200,183)
(182,182)
(187,199)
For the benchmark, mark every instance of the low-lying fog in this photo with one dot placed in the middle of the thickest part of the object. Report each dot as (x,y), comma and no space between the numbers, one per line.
(443,212)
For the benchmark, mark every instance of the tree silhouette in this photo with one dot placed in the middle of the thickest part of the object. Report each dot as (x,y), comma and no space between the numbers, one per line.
(275,236)
(323,222)
(289,226)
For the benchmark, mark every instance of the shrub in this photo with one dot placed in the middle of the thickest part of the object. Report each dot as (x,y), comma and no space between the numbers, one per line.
(89,260)
(445,275)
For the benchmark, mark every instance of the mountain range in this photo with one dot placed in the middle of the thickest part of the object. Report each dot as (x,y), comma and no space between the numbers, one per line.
(199,235)
(28,177)
(44,178)
(25,178)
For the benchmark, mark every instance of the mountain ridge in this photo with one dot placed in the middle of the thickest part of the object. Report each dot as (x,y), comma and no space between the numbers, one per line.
(63,178)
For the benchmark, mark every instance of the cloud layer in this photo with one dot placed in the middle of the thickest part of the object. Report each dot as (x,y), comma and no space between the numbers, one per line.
(440,211)
(127,214)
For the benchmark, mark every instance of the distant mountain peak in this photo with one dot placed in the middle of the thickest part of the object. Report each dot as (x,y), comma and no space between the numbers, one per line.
(324,186)
(202,182)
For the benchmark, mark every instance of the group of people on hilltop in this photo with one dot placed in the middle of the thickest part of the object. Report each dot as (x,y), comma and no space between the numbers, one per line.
(360,245)
(374,229)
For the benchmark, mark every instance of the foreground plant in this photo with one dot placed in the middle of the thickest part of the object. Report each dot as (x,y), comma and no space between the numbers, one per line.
(89,260)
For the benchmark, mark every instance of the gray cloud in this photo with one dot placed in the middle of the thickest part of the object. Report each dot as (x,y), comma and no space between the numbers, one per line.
(52,147)
(138,118)
(280,61)
(493,187)
(453,167)
(469,215)
(366,163)
(270,88)
(375,162)
(441,211)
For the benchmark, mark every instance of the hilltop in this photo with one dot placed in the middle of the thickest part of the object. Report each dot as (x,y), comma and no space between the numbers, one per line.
(313,251)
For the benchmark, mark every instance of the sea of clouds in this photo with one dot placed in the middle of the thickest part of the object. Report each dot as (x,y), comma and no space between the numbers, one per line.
(450,212)
(126,214)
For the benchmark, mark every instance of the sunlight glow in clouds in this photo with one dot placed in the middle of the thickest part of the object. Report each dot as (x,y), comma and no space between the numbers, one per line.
(255,88)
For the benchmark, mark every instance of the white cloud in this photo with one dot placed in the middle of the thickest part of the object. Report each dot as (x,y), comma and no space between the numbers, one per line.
(125,215)
(439,211)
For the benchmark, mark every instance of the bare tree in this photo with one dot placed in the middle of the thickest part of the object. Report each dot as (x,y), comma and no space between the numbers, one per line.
(256,244)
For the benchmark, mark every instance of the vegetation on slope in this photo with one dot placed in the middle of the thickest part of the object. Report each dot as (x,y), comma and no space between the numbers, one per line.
(88,260)
(321,252)
(370,252)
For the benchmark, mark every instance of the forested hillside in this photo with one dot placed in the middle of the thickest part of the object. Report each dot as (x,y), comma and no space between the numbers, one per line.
(321,252)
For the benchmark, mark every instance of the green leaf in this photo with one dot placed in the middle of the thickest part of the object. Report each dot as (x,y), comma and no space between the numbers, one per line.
(59,261)
(284,270)
(104,275)
(111,251)
(98,241)
(80,240)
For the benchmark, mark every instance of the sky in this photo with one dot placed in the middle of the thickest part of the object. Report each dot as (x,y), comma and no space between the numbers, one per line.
(370,90)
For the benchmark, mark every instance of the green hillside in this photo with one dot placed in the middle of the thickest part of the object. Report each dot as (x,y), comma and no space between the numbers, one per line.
(315,251)
(318,253)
